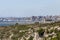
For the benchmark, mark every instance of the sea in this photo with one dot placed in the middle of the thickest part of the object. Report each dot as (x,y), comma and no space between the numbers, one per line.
(7,23)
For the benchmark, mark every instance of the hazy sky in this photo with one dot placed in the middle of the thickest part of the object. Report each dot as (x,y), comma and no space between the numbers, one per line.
(19,8)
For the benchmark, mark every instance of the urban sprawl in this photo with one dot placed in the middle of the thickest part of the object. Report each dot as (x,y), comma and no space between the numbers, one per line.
(30,20)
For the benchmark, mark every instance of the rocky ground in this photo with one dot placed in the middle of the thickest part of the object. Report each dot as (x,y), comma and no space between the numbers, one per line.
(37,31)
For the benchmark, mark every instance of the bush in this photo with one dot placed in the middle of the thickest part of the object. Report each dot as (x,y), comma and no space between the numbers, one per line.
(41,32)
(31,38)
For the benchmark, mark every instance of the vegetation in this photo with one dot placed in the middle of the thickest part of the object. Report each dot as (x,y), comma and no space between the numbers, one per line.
(20,31)
(54,38)
(31,38)
(41,32)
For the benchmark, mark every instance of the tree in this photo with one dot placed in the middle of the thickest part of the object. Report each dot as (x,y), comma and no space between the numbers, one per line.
(16,24)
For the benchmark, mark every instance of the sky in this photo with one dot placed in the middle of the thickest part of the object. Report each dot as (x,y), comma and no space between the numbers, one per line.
(22,8)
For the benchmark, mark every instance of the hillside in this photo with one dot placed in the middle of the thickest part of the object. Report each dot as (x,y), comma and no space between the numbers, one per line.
(37,31)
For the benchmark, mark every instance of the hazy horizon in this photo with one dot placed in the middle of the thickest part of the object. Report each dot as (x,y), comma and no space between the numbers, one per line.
(23,8)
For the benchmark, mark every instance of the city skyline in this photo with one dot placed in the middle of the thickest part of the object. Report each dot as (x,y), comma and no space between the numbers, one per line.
(23,8)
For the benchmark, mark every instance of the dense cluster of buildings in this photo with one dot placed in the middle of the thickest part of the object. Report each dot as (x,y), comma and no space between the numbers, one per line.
(31,19)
